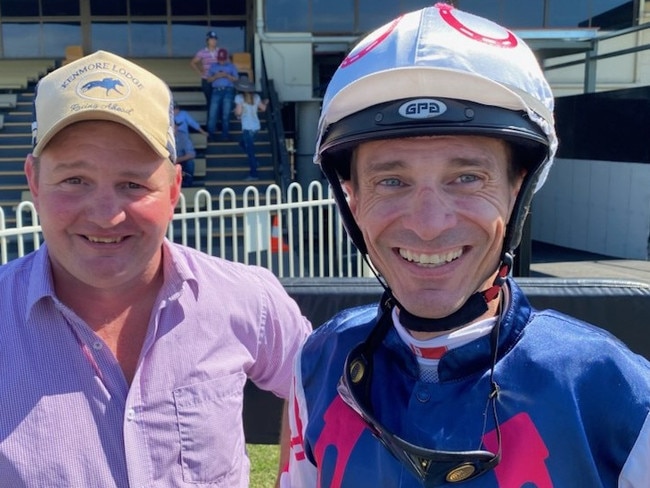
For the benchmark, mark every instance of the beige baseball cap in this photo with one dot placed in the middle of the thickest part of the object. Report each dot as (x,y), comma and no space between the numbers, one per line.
(104,86)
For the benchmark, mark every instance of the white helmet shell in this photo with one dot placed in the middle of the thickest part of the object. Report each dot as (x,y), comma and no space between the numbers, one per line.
(442,52)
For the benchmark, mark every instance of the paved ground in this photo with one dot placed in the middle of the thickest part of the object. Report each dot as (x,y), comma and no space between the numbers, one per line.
(549,260)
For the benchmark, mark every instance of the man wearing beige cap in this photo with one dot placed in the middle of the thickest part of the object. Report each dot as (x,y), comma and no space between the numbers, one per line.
(123,356)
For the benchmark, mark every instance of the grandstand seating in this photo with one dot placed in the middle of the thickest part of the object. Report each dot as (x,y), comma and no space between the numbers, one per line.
(72,53)
(8,100)
(175,71)
(200,168)
(218,165)
(16,74)
(244,64)
(189,98)
(199,141)
(178,73)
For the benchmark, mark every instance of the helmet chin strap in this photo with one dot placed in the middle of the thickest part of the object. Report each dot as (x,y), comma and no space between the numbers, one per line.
(475,306)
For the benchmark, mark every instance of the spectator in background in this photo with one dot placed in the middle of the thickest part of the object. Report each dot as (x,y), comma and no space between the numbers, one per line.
(185,155)
(184,121)
(201,62)
(222,75)
(185,151)
(247,105)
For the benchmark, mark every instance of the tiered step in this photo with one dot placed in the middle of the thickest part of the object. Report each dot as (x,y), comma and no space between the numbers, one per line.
(177,72)
(227,164)
(15,144)
(8,100)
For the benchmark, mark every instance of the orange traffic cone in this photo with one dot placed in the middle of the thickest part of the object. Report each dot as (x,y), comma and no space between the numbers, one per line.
(276,238)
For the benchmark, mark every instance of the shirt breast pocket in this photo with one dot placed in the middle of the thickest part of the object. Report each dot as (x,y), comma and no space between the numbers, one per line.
(209,418)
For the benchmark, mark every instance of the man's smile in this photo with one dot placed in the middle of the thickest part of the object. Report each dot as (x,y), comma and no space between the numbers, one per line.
(105,240)
(430,259)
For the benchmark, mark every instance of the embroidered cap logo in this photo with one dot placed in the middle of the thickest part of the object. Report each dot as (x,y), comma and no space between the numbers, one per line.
(96,87)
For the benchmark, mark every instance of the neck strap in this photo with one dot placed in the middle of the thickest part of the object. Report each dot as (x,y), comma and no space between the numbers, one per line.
(475,306)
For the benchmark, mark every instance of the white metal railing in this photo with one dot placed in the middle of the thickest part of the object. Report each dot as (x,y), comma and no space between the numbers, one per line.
(300,237)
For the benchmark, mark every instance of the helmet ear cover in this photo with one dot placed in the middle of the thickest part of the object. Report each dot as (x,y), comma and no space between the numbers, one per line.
(533,162)
(529,148)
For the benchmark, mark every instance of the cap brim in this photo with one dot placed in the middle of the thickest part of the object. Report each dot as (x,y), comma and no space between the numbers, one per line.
(43,140)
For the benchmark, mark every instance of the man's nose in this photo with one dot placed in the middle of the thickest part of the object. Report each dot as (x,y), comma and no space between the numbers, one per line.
(431,212)
(105,208)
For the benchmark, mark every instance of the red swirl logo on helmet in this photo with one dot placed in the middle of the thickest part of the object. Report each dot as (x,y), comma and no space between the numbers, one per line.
(446,14)
(352,57)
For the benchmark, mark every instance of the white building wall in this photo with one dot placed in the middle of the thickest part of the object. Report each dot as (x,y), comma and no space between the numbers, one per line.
(596,206)
(289,65)
(599,206)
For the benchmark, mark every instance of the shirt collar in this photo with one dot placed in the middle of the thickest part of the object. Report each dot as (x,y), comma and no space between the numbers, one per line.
(175,269)
(40,284)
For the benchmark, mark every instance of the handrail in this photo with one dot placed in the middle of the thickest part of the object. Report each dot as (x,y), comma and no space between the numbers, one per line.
(613,54)
(591,57)
(279,151)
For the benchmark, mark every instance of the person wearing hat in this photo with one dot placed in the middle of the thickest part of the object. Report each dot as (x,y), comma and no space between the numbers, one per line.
(222,75)
(123,356)
(435,132)
(247,105)
(202,61)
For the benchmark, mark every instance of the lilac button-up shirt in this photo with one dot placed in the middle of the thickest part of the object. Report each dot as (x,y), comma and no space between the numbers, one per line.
(68,418)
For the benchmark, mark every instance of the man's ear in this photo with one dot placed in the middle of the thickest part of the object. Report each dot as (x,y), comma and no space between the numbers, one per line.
(31,172)
(175,190)
(348,189)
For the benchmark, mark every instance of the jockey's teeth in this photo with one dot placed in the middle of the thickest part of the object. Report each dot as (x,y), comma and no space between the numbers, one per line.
(430,258)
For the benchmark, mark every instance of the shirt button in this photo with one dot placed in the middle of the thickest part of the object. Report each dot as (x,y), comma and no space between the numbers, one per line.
(97,345)
(130,414)
(423,395)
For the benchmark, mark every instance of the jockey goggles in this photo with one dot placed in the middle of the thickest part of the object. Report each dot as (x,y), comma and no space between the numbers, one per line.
(432,467)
